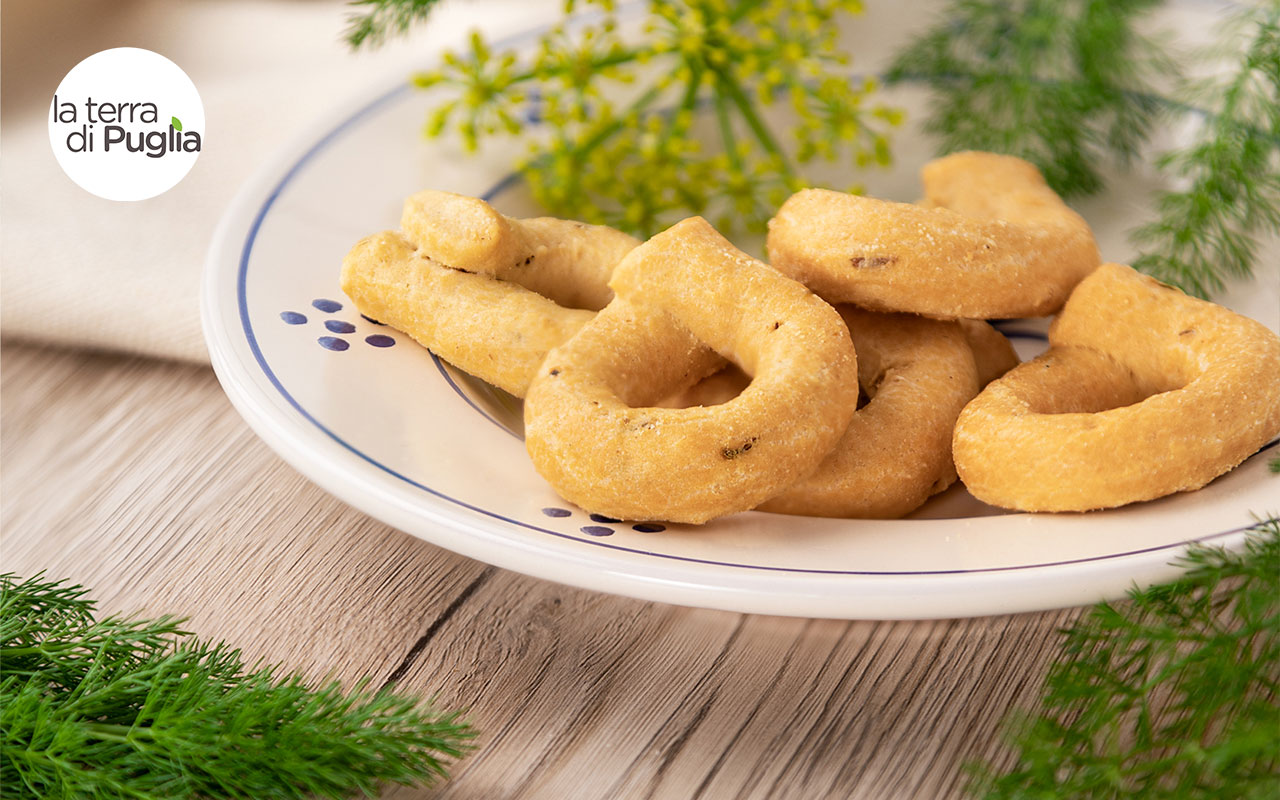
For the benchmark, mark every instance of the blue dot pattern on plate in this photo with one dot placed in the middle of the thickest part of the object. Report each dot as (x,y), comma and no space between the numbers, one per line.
(603,518)
(556,512)
(649,527)
(597,530)
(338,326)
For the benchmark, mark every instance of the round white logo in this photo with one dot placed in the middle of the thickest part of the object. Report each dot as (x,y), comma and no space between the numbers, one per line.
(126,124)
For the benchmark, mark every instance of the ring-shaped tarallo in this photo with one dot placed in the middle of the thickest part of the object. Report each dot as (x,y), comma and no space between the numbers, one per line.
(1143,392)
(918,374)
(494,296)
(590,426)
(990,240)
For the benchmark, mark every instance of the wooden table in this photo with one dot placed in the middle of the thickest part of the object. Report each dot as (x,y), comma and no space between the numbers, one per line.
(138,479)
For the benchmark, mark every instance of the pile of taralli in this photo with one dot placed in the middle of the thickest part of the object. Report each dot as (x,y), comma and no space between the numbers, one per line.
(680,379)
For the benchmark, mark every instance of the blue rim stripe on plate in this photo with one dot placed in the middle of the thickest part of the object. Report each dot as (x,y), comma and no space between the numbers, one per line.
(466,398)
(252,341)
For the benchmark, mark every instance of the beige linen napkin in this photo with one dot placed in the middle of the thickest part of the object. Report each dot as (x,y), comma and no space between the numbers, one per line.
(81,271)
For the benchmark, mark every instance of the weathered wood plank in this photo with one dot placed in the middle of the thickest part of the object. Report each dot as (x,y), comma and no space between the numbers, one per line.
(138,479)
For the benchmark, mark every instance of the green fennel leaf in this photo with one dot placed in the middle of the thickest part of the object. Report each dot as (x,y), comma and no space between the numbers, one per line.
(1064,84)
(1070,86)
(1171,694)
(118,708)
(383,19)
(1209,231)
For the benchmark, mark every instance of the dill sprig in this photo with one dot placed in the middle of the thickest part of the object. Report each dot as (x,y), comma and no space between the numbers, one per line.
(1172,694)
(133,708)
(638,131)
(1064,84)
(380,19)
(1209,230)
(1069,85)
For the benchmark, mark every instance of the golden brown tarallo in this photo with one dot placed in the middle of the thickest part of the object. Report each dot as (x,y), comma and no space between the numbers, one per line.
(492,298)
(992,352)
(896,453)
(565,260)
(1143,392)
(593,432)
(990,240)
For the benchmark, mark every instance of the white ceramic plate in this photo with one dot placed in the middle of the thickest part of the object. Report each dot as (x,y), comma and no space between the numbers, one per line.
(383,425)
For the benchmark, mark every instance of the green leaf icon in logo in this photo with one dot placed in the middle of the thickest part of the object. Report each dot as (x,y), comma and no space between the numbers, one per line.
(176,123)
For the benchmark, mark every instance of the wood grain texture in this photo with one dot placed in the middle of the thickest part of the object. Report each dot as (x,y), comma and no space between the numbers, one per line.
(138,479)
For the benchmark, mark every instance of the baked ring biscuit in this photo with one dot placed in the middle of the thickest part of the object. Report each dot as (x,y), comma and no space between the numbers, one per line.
(493,329)
(565,260)
(992,352)
(896,453)
(1143,392)
(892,458)
(990,241)
(993,355)
(487,293)
(591,429)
